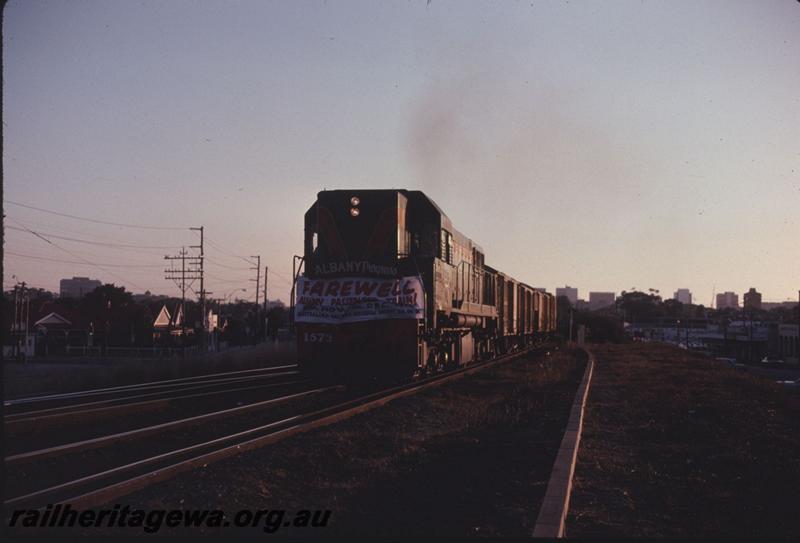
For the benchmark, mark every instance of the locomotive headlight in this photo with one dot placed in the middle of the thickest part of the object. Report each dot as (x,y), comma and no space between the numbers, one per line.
(354,211)
(354,201)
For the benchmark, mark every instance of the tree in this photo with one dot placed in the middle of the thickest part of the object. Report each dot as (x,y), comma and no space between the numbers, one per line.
(109,310)
(639,305)
(602,328)
(673,308)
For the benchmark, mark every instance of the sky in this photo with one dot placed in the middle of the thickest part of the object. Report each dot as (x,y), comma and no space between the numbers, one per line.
(602,145)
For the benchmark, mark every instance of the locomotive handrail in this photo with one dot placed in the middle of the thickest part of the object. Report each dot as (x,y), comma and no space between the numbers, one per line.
(295,275)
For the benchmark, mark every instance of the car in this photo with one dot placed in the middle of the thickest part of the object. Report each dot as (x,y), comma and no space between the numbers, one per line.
(771,360)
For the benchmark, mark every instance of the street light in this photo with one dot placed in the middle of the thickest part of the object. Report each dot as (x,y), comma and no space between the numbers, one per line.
(228,297)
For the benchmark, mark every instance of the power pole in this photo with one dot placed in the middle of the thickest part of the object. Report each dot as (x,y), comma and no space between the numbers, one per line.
(16,320)
(27,318)
(22,305)
(203,340)
(180,277)
(258,275)
(266,319)
(258,287)
(15,327)
(266,272)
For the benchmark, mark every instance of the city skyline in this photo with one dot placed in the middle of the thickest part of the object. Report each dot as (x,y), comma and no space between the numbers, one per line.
(645,145)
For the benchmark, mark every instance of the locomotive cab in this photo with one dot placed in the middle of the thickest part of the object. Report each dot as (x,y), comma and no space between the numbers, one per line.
(391,288)
(361,299)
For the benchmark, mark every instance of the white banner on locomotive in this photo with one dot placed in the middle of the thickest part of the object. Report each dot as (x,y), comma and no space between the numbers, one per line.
(349,299)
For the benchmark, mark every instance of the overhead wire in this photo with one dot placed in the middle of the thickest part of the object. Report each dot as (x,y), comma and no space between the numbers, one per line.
(223,251)
(34,257)
(48,236)
(90,242)
(54,244)
(97,221)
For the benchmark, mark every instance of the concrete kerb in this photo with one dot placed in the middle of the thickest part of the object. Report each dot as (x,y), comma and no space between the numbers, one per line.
(553,512)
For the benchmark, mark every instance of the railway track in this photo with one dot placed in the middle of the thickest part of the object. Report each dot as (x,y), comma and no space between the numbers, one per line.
(39,412)
(122,390)
(107,484)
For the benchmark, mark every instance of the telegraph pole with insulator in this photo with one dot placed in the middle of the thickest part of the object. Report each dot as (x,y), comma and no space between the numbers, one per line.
(266,319)
(204,340)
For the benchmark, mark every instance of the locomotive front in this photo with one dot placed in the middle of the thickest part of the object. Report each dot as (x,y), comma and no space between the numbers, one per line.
(357,309)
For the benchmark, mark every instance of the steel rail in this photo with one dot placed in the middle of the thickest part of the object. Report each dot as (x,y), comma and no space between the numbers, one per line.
(40,421)
(122,399)
(11,417)
(158,468)
(102,441)
(133,386)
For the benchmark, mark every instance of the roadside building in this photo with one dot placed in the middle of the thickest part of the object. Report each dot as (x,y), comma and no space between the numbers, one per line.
(752,299)
(599,300)
(77,287)
(683,295)
(570,293)
(61,330)
(726,300)
(168,327)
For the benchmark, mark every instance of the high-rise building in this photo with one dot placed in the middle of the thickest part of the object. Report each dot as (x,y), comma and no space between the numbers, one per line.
(727,300)
(683,295)
(78,287)
(752,299)
(599,300)
(570,292)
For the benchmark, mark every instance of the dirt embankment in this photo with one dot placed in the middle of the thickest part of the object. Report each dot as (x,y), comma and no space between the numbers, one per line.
(678,444)
(469,458)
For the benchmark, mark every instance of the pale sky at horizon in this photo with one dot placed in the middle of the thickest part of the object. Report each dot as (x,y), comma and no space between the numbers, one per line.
(603,145)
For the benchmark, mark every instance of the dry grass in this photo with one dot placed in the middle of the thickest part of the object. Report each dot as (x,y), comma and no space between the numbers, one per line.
(677,444)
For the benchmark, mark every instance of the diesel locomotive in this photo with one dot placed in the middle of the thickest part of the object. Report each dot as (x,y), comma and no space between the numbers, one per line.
(388,287)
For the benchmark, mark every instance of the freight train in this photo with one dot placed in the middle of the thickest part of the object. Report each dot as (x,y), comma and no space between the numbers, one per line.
(387,287)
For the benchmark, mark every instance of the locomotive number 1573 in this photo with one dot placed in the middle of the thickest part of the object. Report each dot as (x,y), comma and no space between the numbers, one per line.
(318,337)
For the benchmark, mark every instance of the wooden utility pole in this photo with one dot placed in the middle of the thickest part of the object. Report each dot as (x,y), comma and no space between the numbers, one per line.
(258,274)
(266,319)
(266,272)
(258,288)
(204,340)
(22,305)
(15,327)
(180,277)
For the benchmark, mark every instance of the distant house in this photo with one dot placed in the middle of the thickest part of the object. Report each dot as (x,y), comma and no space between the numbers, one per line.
(169,326)
(163,320)
(57,328)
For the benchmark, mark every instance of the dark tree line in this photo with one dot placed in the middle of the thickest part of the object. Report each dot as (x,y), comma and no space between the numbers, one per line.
(607,324)
(115,319)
